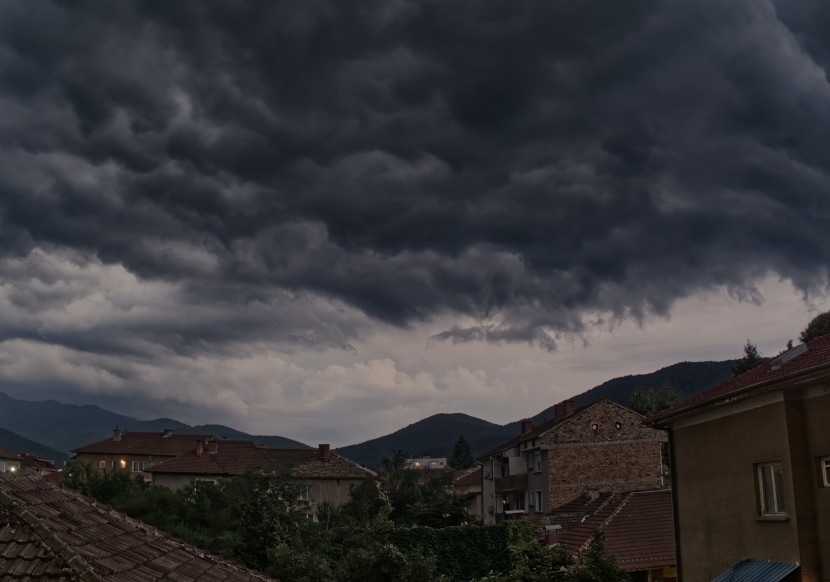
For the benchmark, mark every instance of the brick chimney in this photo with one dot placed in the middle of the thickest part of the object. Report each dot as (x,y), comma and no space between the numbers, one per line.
(527,425)
(116,434)
(325,453)
(563,409)
(200,447)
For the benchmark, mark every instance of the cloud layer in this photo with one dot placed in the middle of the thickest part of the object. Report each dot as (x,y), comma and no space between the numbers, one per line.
(200,180)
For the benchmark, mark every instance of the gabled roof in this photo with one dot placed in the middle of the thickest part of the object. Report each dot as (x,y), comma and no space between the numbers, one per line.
(468,476)
(144,443)
(48,533)
(638,526)
(800,364)
(8,455)
(229,458)
(545,427)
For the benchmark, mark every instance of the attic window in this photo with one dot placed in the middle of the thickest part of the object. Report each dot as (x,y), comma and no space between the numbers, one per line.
(825,471)
(618,425)
(595,426)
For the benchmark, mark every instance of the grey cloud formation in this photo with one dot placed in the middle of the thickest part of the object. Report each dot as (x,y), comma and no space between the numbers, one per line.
(519,164)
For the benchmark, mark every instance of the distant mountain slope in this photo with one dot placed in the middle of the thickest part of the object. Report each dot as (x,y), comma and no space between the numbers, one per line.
(65,427)
(17,444)
(687,378)
(433,437)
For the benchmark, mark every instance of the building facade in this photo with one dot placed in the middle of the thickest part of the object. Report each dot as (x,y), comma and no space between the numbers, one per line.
(601,447)
(751,469)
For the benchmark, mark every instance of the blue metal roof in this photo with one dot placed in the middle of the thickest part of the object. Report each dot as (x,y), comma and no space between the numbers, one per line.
(756,571)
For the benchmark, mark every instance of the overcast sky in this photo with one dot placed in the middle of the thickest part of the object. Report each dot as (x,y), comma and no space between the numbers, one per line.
(327,220)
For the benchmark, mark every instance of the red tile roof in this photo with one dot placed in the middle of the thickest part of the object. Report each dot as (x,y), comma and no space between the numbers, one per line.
(638,526)
(144,443)
(469,476)
(47,533)
(790,367)
(229,458)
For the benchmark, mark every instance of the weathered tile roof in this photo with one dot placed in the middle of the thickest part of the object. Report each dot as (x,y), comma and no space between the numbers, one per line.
(4,454)
(469,476)
(638,526)
(144,443)
(229,458)
(48,533)
(801,364)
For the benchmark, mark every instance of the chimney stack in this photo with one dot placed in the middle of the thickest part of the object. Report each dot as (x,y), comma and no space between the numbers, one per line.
(200,447)
(527,425)
(116,434)
(563,409)
(325,453)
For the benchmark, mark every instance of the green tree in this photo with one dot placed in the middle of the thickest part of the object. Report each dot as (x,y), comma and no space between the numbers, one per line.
(651,401)
(819,325)
(752,357)
(595,564)
(462,454)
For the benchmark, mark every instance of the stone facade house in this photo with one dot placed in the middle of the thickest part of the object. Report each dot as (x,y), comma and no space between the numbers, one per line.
(324,476)
(603,447)
(751,471)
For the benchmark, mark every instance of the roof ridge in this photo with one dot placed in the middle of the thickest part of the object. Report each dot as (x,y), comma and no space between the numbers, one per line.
(73,561)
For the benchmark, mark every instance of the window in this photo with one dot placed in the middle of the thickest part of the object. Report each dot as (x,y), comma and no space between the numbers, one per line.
(304,493)
(538,496)
(537,462)
(771,489)
(138,466)
(102,464)
(825,471)
(2,466)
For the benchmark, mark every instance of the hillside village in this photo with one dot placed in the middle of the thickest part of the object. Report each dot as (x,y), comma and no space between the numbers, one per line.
(732,481)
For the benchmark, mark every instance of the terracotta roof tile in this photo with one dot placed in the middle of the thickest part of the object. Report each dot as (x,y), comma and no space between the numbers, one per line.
(89,541)
(469,476)
(638,527)
(813,363)
(229,458)
(144,443)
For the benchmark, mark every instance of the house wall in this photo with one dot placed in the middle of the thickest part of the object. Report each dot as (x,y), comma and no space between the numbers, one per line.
(715,476)
(620,454)
(113,462)
(334,491)
(816,410)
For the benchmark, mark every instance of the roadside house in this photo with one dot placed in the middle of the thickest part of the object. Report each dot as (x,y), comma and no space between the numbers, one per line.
(324,476)
(9,462)
(135,452)
(751,471)
(603,446)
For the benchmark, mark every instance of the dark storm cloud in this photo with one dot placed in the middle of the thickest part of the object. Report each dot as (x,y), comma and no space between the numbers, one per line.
(525,162)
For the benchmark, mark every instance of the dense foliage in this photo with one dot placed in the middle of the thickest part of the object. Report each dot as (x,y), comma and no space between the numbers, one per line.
(651,401)
(399,527)
(461,456)
(819,325)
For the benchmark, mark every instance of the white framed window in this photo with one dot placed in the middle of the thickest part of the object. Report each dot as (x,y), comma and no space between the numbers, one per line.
(304,493)
(825,471)
(2,466)
(537,461)
(138,466)
(770,489)
(102,464)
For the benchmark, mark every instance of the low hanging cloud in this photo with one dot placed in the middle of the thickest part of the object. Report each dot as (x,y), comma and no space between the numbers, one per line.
(220,174)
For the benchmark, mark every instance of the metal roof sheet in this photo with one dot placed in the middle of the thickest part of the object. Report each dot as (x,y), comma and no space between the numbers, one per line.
(756,571)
